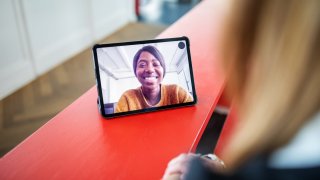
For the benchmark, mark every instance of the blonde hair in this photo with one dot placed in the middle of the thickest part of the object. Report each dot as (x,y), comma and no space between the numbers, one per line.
(272,59)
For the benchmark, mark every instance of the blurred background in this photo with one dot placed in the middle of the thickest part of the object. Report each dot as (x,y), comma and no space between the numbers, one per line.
(45,59)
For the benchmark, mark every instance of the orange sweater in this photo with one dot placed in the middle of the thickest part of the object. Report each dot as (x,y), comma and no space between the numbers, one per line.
(133,99)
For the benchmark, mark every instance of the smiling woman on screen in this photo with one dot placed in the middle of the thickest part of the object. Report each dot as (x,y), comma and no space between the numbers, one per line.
(149,68)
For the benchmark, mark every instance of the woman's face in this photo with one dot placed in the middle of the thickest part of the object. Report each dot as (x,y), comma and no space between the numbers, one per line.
(149,71)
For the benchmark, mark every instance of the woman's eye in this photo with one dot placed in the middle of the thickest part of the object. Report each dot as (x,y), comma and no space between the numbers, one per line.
(156,64)
(141,65)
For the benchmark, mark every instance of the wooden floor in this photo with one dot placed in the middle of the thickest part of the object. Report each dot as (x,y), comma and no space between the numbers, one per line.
(29,108)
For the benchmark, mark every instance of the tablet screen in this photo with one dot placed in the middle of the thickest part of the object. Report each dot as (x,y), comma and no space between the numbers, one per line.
(143,76)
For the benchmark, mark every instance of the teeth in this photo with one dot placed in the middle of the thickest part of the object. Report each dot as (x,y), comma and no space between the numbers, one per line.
(150,78)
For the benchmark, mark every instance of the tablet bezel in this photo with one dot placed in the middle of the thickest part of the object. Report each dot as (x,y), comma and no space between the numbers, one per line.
(98,80)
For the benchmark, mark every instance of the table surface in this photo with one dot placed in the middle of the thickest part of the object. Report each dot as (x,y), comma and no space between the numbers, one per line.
(80,144)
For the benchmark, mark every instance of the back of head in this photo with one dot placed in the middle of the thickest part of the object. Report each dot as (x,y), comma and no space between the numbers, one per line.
(272,59)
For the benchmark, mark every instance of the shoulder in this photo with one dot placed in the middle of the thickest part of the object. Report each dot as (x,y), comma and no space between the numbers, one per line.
(171,87)
(131,92)
(176,92)
(128,100)
(256,168)
(175,88)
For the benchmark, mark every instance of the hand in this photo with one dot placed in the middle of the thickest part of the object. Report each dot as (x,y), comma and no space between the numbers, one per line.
(178,167)
(213,162)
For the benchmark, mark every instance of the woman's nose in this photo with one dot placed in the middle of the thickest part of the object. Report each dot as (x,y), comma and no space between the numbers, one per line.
(150,68)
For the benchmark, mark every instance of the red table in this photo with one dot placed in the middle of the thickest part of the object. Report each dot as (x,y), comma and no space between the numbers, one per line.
(79,144)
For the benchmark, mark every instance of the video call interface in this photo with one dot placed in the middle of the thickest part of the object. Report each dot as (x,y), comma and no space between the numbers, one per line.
(142,76)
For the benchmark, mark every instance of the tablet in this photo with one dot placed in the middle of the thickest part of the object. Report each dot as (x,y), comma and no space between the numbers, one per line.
(143,76)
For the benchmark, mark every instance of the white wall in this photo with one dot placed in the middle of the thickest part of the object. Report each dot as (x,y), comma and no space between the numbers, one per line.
(16,67)
(37,35)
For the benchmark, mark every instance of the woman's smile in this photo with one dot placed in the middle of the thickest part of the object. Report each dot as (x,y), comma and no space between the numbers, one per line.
(151,77)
